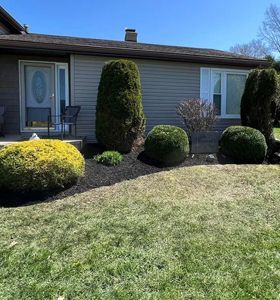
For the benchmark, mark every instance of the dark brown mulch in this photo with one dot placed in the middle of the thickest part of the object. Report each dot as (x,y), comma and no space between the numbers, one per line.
(134,164)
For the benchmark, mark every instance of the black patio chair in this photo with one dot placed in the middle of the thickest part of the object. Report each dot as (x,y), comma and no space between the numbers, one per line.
(67,118)
(2,120)
(37,114)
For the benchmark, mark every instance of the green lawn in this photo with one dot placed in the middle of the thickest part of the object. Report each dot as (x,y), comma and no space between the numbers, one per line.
(276,132)
(209,232)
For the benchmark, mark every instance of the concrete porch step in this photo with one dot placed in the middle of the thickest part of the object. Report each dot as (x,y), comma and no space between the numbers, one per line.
(78,142)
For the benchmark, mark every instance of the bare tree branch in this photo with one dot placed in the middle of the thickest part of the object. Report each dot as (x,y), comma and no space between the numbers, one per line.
(255,48)
(270,29)
(197,114)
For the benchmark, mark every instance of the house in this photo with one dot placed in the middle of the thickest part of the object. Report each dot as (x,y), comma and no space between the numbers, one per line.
(40,72)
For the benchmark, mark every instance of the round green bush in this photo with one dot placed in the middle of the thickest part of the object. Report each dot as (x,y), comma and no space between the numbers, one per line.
(243,144)
(109,158)
(39,165)
(119,112)
(167,144)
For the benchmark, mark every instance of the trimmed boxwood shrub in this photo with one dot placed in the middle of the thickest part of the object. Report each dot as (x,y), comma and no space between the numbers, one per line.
(167,144)
(119,111)
(39,165)
(243,144)
(109,158)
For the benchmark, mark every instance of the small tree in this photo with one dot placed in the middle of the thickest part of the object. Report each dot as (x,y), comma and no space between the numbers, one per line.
(274,63)
(119,112)
(255,48)
(270,29)
(197,114)
(261,92)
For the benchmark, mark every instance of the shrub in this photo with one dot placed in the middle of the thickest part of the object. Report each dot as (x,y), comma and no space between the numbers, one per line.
(167,144)
(243,144)
(39,165)
(109,158)
(260,95)
(119,111)
(197,114)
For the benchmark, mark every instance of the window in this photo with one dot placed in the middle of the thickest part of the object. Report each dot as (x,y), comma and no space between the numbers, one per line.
(234,90)
(224,88)
(217,91)
(62,88)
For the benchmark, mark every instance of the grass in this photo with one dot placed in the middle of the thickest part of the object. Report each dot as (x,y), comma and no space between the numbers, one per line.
(208,232)
(276,132)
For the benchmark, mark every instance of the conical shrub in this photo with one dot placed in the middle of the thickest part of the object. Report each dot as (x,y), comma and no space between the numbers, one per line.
(119,112)
(261,92)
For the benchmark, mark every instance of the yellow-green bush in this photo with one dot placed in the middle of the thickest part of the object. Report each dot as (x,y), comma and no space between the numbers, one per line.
(109,158)
(39,165)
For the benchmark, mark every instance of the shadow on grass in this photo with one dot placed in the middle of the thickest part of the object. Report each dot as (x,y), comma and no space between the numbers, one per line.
(15,199)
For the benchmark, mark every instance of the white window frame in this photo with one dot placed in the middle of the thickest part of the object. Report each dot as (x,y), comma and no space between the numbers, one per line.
(224,73)
(62,66)
(57,66)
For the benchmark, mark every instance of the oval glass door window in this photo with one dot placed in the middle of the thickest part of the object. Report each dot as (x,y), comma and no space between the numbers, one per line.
(39,86)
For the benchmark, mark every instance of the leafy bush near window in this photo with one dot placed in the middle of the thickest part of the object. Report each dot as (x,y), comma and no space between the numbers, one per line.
(197,114)
(166,144)
(39,165)
(120,118)
(261,94)
(243,144)
(109,158)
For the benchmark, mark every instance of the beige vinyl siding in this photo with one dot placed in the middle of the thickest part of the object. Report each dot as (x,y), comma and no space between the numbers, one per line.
(164,85)
(221,124)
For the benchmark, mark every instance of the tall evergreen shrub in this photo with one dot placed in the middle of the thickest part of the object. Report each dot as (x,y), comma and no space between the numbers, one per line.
(261,92)
(119,112)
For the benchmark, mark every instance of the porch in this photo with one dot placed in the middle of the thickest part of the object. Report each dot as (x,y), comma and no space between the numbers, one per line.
(78,142)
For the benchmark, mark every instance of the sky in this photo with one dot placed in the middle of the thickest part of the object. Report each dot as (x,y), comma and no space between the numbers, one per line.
(216,24)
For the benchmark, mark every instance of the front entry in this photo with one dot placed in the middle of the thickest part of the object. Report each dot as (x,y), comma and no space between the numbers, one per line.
(44,94)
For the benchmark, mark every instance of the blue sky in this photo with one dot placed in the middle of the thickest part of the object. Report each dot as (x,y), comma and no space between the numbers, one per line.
(199,23)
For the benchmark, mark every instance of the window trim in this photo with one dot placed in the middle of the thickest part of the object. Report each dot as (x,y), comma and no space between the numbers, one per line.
(62,66)
(212,87)
(224,73)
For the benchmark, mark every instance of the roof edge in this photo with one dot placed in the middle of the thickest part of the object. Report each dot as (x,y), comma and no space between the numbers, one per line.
(11,22)
(132,53)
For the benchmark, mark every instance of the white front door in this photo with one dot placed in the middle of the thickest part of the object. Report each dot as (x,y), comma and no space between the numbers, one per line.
(44,93)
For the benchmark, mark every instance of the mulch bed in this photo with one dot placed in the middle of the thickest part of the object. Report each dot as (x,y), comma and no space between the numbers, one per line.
(134,164)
